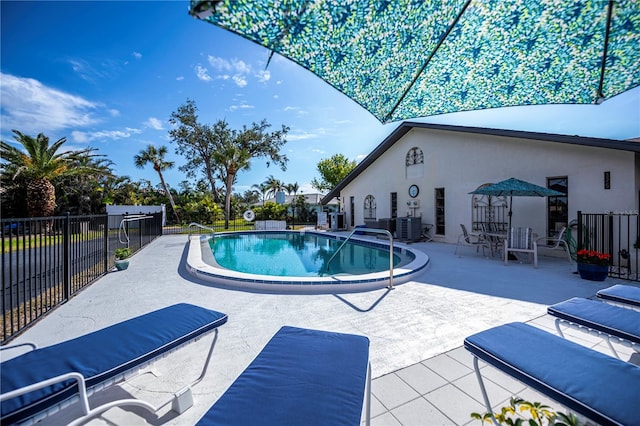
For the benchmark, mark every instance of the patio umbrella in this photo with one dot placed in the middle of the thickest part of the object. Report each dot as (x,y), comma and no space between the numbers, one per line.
(515,188)
(412,58)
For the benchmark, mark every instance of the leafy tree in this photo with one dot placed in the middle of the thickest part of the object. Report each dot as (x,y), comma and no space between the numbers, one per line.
(197,143)
(251,196)
(155,156)
(292,188)
(222,152)
(39,164)
(332,171)
(83,194)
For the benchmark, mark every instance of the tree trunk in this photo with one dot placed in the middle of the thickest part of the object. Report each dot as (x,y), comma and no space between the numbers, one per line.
(173,205)
(227,199)
(41,198)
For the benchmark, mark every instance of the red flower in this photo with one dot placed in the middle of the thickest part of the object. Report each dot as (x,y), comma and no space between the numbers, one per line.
(593,257)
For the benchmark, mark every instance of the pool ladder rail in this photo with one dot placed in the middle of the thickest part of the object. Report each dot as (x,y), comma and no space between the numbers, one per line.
(372,231)
(197,225)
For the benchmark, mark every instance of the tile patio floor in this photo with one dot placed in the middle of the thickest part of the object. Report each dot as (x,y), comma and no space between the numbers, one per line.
(422,375)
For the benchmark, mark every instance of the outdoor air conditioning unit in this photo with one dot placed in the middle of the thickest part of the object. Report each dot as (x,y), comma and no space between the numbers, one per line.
(409,228)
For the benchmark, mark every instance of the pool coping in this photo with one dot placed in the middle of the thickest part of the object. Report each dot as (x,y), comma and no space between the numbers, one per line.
(222,277)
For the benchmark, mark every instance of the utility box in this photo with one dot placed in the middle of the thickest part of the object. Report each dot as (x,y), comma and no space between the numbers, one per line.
(409,228)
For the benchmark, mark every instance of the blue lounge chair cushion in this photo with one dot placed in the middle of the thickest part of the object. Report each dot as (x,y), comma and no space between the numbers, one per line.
(600,387)
(100,355)
(301,377)
(622,294)
(609,319)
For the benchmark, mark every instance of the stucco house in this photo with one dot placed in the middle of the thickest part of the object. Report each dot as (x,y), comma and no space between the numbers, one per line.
(428,170)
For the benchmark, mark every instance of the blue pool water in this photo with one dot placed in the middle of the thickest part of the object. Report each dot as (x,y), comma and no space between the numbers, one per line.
(295,254)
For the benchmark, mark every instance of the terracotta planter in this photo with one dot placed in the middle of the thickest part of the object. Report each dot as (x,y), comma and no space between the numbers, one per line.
(593,272)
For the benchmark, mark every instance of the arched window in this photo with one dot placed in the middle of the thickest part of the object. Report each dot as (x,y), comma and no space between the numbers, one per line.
(369,207)
(414,163)
(414,156)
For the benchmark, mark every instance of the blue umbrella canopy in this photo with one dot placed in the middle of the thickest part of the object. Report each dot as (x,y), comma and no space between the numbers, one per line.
(516,188)
(513,187)
(411,58)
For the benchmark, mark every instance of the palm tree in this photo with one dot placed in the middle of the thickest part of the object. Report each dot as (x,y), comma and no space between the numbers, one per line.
(39,164)
(273,185)
(155,156)
(262,188)
(293,188)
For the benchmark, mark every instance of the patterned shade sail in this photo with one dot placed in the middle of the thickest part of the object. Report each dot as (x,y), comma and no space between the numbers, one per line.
(403,59)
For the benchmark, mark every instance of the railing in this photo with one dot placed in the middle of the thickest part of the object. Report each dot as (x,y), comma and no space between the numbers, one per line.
(617,234)
(46,261)
(197,225)
(374,231)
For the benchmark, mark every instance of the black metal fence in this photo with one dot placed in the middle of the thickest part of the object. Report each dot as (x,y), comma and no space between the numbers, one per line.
(46,261)
(617,234)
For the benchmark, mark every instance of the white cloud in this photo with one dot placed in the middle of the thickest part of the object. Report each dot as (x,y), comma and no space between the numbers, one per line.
(31,107)
(239,80)
(360,157)
(263,76)
(180,78)
(236,70)
(114,112)
(104,134)
(241,106)
(276,96)
(154,123)
(301,136)
(318,151)
(299,111)
(202,73)
(137,55)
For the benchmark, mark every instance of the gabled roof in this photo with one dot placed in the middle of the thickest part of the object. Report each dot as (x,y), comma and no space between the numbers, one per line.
(406,126)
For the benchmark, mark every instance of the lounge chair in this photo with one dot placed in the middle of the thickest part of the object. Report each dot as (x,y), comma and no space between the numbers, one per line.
(602,388)
(301,377)
(622,295)
(607,321)
(42,381)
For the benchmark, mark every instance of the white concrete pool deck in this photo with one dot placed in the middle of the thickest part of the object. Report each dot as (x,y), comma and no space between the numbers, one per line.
(422,375)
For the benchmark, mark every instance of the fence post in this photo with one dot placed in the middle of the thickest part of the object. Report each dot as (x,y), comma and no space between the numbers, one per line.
(579,235)
(105,243)
(66,253)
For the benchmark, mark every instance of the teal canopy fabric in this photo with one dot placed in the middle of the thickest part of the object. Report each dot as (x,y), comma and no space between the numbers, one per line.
(403,59)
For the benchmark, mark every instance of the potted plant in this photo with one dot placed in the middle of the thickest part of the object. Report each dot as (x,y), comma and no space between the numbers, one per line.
(122,258)
(593,265)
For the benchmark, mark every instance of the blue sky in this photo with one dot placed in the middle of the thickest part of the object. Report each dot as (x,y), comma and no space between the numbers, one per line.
(109,74)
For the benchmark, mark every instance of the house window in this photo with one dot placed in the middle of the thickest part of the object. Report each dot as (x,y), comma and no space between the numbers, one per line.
(439,194)
(414,163)
(352,210)
(369,207)
(394,205)
(557,207)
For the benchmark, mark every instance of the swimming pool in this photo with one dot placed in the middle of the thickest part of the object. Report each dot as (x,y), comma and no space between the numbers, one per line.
(290,261)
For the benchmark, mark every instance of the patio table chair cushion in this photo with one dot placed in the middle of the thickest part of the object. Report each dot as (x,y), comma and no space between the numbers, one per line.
(600,387)
(100,356)
(303,377)
(621,294)
(607,319)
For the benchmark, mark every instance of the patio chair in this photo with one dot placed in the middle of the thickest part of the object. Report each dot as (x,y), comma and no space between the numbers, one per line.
(471,240)
(302,377)
(555,243)
(625,296)
(607,321)
(595,385)
(521,240)
(42,381)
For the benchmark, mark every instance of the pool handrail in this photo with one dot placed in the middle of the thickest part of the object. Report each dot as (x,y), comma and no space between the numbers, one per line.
(197,225)
(122,229)
(374,231)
